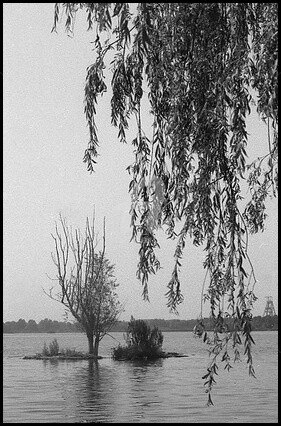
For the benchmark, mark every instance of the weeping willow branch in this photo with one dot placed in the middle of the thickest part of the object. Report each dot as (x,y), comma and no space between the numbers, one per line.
(201,65)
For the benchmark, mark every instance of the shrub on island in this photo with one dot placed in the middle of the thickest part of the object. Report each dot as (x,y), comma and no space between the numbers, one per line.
(142,342)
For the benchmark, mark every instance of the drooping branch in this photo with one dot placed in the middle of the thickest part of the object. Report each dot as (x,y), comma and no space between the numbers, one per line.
(199,67)
(200,64)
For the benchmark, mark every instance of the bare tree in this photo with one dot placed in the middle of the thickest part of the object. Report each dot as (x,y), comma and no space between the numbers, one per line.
(86,281)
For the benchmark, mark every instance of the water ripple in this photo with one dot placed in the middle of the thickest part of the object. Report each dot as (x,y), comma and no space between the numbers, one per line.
(167,390)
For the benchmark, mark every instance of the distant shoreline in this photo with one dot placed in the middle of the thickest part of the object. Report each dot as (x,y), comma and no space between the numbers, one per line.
(79,332)
(266,323)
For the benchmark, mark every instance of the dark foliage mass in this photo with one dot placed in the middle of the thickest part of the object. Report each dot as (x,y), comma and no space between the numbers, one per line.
(142,342)
(51,326)
(44,326)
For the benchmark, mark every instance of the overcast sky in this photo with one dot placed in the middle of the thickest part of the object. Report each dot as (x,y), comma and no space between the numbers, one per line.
(45,135)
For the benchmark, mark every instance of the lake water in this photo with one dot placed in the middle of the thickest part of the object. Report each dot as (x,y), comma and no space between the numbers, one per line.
(107,391)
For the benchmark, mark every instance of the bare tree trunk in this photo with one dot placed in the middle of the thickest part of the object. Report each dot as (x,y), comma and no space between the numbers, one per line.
(96,347)
(93,345)
(90,338)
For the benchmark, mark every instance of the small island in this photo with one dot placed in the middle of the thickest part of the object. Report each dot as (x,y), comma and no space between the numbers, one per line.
(142,343)
(60,356)
(86,356)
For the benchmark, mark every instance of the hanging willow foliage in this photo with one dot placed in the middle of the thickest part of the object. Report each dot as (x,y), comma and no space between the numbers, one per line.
(203,66)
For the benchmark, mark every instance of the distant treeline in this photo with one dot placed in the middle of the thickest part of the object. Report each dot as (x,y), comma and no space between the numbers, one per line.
(49,326)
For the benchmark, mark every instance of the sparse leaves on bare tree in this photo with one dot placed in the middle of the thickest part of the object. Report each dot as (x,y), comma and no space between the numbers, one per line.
(86,282)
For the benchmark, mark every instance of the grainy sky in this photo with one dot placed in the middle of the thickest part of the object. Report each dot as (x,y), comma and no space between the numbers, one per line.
(45,135)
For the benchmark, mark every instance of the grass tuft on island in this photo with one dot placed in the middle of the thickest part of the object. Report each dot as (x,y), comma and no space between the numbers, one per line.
(54,352)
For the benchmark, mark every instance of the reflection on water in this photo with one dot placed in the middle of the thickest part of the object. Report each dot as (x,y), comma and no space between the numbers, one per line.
(98,389)
(94,386)
(166,390)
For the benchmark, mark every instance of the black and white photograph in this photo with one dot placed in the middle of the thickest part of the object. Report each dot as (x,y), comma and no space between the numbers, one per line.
(140,212)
